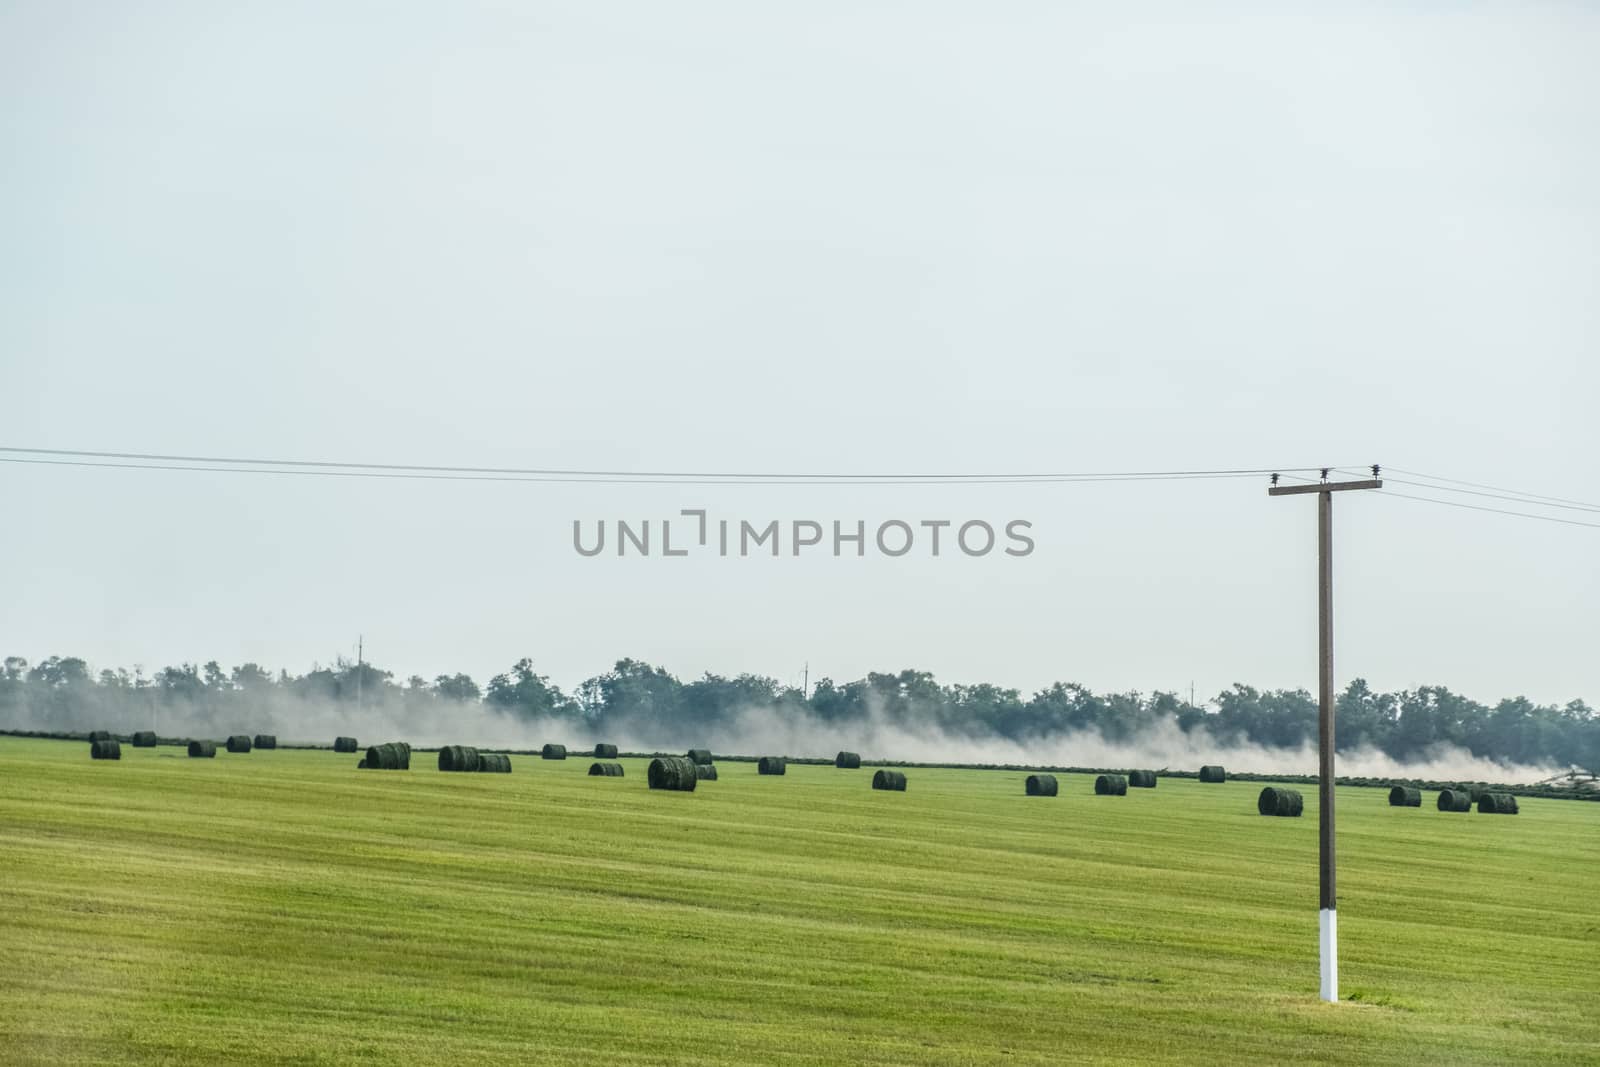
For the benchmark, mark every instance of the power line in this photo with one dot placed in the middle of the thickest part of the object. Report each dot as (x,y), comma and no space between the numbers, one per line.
(1496,511)
(1496,488)
(434,472)
(1496,496)
(243,465)
(588,480)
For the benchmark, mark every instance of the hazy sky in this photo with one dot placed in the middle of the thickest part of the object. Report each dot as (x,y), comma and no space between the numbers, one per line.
(827,236)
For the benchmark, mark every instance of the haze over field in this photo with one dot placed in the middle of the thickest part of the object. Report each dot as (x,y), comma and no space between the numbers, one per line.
(905,717)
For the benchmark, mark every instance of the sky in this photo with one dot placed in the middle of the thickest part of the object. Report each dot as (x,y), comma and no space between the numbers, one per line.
(830,237)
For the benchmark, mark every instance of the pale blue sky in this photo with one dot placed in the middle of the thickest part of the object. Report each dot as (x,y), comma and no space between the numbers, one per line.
(932,236)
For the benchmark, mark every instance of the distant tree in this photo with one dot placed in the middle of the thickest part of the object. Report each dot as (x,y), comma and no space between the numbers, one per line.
(250,676)
(182,682)
(58,672)
(459,687)
(215,680)
(838,703)
(527,694)
(715,699)
(363,680)
(635,690)
(1364,718)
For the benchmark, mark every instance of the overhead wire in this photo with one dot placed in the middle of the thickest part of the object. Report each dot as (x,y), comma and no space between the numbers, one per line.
(1496,488)
(243,465)
(123,460)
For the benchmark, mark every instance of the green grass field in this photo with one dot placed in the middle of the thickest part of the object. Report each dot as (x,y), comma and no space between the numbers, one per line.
(285,907)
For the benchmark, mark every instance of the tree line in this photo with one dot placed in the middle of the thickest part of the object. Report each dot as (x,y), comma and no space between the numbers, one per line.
(64,693)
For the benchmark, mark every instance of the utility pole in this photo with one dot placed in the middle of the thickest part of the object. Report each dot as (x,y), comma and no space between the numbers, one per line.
(1328,913)
(805,681)
(359,671)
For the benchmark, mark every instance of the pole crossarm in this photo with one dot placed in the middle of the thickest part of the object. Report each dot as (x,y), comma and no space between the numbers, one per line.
(1324,487)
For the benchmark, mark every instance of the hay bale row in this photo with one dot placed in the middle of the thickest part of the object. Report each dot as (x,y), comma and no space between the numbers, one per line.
(1276,801)
(554,752)
(1455,800)
(99,735)
(144,739)
(458,758)
(345,744)
(494,763)
(850,761)
(772,765)
(705,772)
(389,756)
(1405,796)
(1041,785)
(699,755)
(605,752)
(266,740)
(605,770)
(894,781)
(1213,773)
(239,743)
(202,749)
(1111,785)
(1497,804)
(1141,779)
(105,750)
(675,773)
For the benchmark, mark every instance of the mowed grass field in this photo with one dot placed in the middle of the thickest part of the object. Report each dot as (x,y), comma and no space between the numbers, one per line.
(284,907)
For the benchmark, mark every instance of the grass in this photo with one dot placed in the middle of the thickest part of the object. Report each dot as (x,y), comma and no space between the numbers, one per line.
(284,907)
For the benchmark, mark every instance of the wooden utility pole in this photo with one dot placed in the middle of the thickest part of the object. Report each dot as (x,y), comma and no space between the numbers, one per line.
(1328,913)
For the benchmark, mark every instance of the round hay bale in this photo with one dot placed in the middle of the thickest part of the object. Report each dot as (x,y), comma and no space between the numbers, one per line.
(203,749)
(605,770)
(99,735)
(699,755)
(554,752)
(1213,773)
(772,765)
(1277,801)
(1042,785)
(144,739)
(494,763)
(605,752)
(894,781)
(239,743)
(459,758)
(1489,803)
(1141,779)
(1455,800)
(266,740)
(850,761)
(1111,785)
(1405,796)
(705,772)
(676,773)
(389,756)
(105,750)
(345,744)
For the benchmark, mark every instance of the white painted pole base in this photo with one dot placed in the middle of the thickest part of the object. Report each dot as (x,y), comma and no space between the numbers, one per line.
(1330,954)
